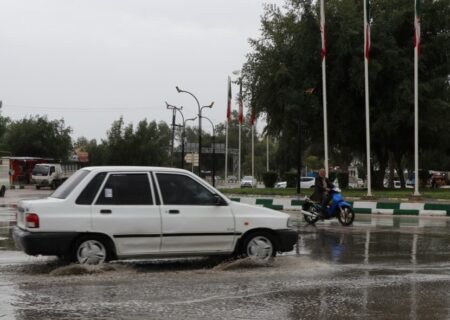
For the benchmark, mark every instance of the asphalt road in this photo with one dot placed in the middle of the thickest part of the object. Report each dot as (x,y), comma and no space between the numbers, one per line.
(380,268)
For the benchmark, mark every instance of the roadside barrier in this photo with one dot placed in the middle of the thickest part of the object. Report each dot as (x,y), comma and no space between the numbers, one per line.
(361,207)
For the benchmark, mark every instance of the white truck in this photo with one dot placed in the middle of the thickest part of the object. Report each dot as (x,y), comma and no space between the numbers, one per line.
(51,174)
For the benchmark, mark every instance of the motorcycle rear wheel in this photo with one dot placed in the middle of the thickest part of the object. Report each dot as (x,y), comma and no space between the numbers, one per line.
(310,219)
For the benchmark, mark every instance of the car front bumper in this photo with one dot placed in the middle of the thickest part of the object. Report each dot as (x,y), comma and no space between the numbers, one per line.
(43,243)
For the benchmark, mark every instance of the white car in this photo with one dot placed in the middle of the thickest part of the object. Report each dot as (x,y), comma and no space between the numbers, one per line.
(248,182)
(281,185)
(105,213)
(305,183)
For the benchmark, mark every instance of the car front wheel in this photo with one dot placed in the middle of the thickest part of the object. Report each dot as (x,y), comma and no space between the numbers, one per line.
(259,246)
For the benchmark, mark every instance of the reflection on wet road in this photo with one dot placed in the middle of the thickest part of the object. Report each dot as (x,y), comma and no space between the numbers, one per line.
(379,268)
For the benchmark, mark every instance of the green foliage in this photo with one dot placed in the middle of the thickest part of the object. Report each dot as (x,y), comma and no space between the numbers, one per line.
(313,162)
(270,178)
(291,179)
(39,137)
(147,144)
(285,64)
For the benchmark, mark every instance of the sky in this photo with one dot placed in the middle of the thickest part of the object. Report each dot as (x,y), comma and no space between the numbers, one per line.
(91,61)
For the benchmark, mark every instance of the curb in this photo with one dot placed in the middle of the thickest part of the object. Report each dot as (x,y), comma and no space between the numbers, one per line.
(362,207)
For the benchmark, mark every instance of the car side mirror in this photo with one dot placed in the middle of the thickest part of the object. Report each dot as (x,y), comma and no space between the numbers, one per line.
(219,201)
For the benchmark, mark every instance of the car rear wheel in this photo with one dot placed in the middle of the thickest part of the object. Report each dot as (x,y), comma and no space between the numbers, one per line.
(259,246)
(91,250)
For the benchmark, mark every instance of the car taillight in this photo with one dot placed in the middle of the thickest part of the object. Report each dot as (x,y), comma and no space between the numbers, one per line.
(32,220)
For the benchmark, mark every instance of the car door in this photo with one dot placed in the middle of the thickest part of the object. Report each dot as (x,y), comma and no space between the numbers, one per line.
(191,219)
(125,210)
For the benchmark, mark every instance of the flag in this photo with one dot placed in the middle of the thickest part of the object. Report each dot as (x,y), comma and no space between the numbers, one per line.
(322,30)
(241,106)
(229,100)
(368,21)
(417,40)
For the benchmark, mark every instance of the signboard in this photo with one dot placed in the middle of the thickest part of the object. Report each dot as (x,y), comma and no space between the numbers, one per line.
(192,158)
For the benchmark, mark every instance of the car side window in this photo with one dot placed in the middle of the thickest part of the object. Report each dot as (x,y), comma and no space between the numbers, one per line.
(126,189)
(90,191)
(179,189)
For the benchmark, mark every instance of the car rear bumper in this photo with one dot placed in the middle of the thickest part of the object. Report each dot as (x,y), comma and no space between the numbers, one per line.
(287,238)
(43,243)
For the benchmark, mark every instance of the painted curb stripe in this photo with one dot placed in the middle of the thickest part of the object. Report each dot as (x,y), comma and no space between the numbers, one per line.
(388,205)
(362,207)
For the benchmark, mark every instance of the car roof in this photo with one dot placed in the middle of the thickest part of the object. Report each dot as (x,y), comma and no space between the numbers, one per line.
(134,168)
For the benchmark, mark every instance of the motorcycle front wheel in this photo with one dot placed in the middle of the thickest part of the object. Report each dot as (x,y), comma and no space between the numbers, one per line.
(346,215)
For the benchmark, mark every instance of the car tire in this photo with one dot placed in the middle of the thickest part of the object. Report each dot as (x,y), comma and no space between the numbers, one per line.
(38,187)
(259,246)
(91,250)
(2,191)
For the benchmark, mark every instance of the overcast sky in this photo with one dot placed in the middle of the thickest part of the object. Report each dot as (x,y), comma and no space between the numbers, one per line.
(90,61)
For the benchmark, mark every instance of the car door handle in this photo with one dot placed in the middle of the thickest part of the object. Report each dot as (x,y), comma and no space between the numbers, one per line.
(174,211)
(105,211)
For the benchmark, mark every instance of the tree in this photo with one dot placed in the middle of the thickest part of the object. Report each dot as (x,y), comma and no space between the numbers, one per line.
(284,68)
(39,137)
(148,145)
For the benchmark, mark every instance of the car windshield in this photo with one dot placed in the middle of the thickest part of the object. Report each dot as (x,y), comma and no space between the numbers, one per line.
(40,170)
(247,178)
(67,187)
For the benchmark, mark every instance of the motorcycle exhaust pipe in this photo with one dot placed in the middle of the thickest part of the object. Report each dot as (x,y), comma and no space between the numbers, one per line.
(307,213)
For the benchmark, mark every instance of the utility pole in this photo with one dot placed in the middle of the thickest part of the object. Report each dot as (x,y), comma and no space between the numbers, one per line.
(173,136)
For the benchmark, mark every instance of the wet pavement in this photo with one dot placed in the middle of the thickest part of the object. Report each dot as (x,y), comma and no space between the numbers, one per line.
(380,268)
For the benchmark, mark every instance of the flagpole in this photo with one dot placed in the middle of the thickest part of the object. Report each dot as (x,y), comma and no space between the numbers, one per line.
(226,128)
(267,138)
(324,84)
(239,157)
(226,153)
(416,99)
(366,78)
(240,116)
(253,152)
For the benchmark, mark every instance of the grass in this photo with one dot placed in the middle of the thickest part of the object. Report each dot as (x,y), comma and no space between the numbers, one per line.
(354,193)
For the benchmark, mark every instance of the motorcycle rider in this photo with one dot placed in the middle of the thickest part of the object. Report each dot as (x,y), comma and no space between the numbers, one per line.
(322,190)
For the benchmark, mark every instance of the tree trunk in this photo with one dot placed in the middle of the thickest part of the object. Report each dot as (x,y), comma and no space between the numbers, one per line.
(391,171)
(401,176)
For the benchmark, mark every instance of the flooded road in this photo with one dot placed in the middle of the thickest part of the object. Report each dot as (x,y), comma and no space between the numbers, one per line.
(379,268)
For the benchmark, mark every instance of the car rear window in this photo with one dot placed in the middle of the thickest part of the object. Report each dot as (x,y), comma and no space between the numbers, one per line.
(90,191)
(67,187)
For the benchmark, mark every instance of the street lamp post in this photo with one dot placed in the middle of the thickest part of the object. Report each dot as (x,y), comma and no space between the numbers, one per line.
(199,125)
(174,111)
(214,152)
(183,137)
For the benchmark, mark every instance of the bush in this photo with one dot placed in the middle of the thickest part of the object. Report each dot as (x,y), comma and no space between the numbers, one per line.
(291,179)
(270,178)
(343,180)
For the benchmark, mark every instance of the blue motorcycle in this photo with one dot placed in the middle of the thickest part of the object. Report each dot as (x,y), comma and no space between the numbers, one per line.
(337,207)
